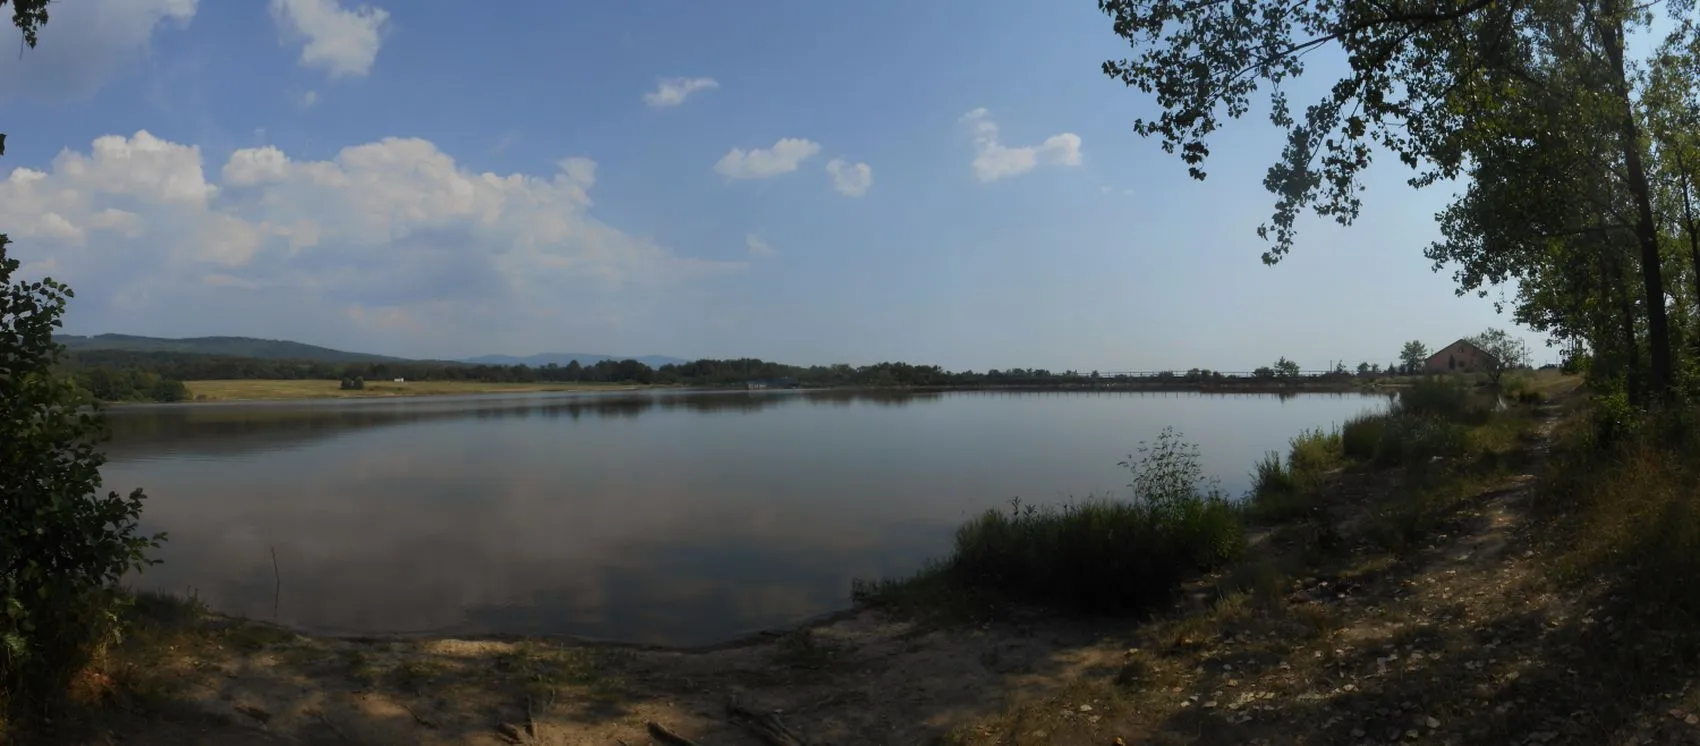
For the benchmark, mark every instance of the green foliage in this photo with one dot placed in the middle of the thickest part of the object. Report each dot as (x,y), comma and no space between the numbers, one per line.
(1276,493)
(1361,436)
(1282,491)
(1285,368)
(1270,477)
(1096,555)
(1413,355)
(28,16)
(1440,398)
(130,384)
(1415,441)
(63,545)
(1314,451)
(1504,352)
(1630,510)
(1612,418)
(1578,163)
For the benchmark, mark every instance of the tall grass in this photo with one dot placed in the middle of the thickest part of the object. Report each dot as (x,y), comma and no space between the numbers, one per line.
(1432,419)
(1632,509)
(1360,437)
(1284,490)
(1099,555)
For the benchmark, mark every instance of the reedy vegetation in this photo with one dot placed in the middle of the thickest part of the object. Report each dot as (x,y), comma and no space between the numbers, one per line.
(1105,554)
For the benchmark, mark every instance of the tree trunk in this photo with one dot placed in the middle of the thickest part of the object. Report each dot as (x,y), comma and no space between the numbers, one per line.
(1646,231)
(1611,271)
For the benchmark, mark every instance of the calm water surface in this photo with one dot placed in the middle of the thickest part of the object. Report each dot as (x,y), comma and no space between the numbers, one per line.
(678,518)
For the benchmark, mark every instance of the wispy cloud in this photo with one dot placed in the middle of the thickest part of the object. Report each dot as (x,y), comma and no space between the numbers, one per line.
(758,163)
(758,246)
(993,160)
(851,180)
(673,91)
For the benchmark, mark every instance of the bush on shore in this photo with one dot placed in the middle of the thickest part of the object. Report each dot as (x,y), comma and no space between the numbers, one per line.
(1626,490)
(1285,490)
(1099,555)
(64,544)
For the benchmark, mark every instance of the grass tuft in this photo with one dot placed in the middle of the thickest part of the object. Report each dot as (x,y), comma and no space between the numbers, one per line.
(1097,555)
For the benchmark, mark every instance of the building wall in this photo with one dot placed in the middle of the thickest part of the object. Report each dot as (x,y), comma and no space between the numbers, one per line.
(1458,357)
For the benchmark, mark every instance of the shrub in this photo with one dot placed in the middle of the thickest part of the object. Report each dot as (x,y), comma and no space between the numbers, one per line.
(1275,492)
(63,545)
(1314,451)
(1361,436)
(1613,419)
(1631,510)
(1282,492)
(169,390)
(1271,477)
(1436,397)
(1413,441)
(1096,555)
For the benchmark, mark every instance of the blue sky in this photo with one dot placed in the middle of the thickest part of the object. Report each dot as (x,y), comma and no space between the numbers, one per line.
(952,182)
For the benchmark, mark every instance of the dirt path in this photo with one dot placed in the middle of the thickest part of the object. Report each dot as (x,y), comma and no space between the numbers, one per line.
(1462,640)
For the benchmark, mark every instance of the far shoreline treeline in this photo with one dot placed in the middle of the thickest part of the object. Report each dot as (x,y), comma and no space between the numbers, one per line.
(125,375)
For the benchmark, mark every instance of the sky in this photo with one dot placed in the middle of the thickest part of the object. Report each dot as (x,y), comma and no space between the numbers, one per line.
(952,182)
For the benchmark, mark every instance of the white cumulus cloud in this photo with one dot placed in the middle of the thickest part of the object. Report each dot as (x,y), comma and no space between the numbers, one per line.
(851,180)
(86,44)
(757,163)
(993,160)
(758,246)
(674,91)
(389,239)
(340,41)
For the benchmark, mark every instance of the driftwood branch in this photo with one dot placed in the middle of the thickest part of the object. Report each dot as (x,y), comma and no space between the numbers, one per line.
(765,726)
(660,733)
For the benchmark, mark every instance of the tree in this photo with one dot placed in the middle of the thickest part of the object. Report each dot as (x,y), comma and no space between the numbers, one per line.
(1504,352)
(1448,87)
(1285,368)
(1412,356)
(63,545)
(1363,369)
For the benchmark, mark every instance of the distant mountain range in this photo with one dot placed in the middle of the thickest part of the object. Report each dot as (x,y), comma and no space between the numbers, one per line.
(564,358)
(278,349)
(264,349)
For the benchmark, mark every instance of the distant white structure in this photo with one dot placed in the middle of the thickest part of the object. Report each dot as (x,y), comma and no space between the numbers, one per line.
(401,380)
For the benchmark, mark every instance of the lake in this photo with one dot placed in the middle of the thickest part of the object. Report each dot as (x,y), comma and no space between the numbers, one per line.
(661,517)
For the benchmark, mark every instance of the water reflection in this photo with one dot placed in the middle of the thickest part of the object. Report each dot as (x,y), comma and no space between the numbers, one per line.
(680,517)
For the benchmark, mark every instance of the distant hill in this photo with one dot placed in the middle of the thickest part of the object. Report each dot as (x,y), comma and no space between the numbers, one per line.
(279,349)
(563,358)
(249,347)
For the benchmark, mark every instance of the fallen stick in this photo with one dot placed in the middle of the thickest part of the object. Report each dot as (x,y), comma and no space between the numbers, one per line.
(765,726)
(661,733)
